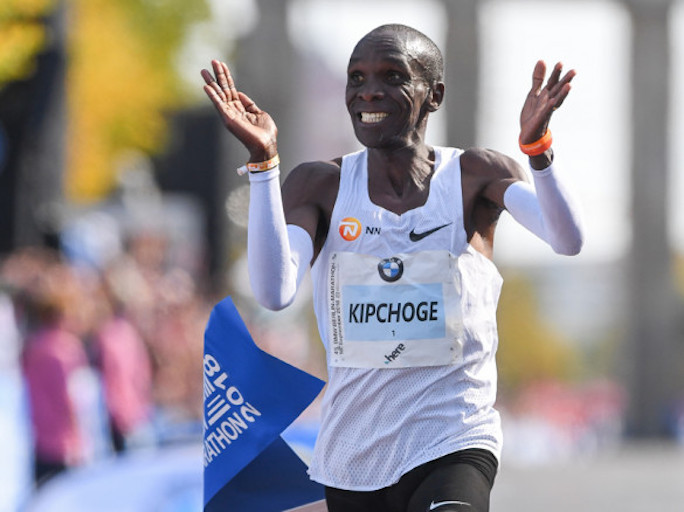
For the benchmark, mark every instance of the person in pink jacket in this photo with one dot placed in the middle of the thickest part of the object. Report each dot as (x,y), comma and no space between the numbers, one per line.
(124,363)
(52,359)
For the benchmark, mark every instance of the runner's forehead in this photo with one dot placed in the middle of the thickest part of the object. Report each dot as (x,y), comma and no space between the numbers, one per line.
(386,47)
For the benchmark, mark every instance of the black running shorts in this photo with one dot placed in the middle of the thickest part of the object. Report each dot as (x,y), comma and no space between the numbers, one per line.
(459,482)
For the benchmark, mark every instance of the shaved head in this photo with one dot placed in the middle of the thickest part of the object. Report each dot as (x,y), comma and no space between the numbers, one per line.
(421,50)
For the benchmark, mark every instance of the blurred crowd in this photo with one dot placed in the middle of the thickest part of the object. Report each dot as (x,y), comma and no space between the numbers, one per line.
(106,356)
(99,356)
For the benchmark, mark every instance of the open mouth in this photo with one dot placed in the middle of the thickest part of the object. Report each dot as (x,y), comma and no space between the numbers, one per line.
(372,117)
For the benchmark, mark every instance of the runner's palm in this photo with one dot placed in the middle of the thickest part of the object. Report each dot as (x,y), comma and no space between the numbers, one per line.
(252,126)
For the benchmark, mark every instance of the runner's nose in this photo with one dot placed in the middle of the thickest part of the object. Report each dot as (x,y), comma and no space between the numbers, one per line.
(370,91)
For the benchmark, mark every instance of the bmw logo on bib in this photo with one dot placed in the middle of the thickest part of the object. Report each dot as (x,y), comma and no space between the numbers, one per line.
(391,269)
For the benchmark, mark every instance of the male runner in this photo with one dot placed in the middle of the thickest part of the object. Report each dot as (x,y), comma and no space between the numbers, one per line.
(399,238)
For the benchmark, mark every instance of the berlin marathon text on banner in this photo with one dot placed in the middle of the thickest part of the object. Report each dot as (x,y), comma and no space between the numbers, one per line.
(250,398)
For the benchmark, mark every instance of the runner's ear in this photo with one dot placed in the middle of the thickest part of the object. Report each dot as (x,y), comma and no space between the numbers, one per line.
(436,97)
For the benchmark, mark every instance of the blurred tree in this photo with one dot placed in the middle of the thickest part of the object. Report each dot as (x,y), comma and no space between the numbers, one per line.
(121,82)
(22,36)
(31,118)
(529,349)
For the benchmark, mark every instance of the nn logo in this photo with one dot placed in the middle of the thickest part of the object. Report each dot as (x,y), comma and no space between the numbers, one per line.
(350,229)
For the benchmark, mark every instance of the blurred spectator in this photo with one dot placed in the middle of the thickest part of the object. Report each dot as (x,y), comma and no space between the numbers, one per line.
(93,239)
(122,357)
(15,465)
(52,359)
(111,352)
(101,348)
(553,420)
(180,317)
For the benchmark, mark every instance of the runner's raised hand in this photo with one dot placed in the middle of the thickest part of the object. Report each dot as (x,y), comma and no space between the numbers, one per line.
(541,102)
(252,126)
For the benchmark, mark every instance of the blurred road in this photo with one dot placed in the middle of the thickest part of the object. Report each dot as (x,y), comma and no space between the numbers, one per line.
(635,478)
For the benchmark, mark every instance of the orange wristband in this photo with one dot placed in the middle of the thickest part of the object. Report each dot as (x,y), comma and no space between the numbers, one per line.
(538,146)
(264,166)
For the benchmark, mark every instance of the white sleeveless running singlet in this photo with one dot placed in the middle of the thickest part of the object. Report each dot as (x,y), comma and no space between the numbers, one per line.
(406,309)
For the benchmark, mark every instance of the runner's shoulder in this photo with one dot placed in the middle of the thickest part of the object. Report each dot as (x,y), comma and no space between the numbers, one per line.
(315,176)
(485,162)
(319,169)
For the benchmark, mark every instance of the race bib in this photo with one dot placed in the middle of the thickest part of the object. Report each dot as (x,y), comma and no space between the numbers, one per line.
(395,312)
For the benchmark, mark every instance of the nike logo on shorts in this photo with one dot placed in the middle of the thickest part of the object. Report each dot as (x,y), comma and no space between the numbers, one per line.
(434,506)
(416,237)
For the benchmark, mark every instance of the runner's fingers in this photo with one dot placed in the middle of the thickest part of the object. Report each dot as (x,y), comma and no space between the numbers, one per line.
(560,98)
(223,80)
(229,82)
(207,76)
(214,95)
(538,77)
(248,103)
(567,78)
(225,108)
(211,82)
(555,75)
(562,88)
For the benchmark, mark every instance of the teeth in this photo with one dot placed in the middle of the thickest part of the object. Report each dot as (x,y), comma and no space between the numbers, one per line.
(373,117)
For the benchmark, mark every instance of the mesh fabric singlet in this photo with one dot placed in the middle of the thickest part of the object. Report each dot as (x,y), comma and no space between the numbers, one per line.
(379,423)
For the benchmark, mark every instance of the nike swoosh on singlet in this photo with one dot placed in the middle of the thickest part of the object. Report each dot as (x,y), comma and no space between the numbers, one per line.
(416,237)
(434,505)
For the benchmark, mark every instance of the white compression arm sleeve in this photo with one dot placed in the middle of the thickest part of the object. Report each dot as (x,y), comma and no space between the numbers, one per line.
(547,209)
(278,255)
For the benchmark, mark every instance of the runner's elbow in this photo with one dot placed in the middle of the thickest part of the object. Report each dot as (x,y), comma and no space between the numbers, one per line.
(570,246)
(275,305)
(272,297)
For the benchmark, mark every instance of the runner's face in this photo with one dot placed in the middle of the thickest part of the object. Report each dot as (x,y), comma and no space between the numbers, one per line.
(386,93)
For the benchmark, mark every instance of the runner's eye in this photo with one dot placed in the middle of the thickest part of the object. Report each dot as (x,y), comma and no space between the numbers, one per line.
(395,77)
(355,78)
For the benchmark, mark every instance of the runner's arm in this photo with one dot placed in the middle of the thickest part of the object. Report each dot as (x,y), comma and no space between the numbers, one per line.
(548,210)
(278,254)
